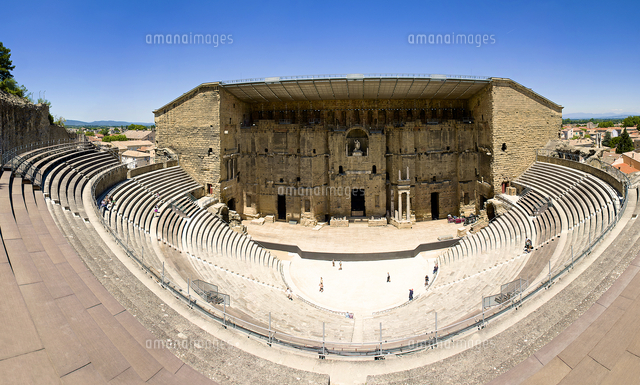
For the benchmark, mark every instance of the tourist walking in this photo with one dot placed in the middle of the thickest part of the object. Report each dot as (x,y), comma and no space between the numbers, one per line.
(410,294)
(426,280)
(388,277)
(340,266)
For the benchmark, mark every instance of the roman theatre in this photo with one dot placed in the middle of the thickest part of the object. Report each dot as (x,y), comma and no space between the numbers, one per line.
(330,229)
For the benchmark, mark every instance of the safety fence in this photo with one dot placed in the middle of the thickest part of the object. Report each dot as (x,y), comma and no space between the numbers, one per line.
(512,295)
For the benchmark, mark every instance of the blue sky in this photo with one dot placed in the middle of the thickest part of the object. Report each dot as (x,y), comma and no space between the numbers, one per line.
(93,61)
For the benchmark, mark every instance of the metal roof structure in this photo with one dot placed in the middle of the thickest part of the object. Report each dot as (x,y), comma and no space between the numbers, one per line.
(355,86)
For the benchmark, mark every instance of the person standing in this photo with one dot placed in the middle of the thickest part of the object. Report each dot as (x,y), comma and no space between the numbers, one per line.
(388,277)
(426,280)
(340,266)
(410,294)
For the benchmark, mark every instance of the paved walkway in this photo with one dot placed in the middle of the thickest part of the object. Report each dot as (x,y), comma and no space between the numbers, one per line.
(357,238)
(601,347)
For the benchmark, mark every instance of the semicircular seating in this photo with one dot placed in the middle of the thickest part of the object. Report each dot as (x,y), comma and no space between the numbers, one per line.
(60,325)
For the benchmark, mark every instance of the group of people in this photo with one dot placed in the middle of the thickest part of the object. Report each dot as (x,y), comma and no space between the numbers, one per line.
(333,263)
(426,280)
(107,203)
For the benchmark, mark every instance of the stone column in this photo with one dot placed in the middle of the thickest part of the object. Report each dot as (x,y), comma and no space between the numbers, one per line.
(408,206)
(392,199)
(400,204)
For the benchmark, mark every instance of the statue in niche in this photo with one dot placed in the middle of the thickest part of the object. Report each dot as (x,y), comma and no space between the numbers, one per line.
(356,150)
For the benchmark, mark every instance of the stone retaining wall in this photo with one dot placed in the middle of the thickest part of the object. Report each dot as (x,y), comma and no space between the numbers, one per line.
(24,123)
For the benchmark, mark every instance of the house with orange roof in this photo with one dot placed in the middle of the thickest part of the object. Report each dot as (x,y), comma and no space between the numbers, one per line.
(628,163)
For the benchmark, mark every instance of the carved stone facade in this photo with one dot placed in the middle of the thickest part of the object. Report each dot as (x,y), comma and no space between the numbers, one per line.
(309,160)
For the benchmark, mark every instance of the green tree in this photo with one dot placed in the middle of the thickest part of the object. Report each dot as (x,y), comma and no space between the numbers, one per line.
(5,63)
(607,139)
(11,86)
(614,142)
(625,144)
(89,133)
(138,127)
(60,121)
(605,124)
(7,82)
(631,121)
(104,131)
(112,138)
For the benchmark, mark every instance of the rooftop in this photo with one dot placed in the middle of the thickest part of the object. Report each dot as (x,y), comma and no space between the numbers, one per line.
(135,154)
(137,134)
(625,168)
(356,86)
(131,143)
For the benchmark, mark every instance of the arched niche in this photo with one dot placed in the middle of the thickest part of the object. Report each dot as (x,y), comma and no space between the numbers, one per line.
(357,142)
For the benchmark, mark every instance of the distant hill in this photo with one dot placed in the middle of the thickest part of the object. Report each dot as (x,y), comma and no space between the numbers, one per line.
(607,115)
(111,123)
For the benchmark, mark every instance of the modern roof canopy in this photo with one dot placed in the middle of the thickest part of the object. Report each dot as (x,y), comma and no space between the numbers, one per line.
(355,86)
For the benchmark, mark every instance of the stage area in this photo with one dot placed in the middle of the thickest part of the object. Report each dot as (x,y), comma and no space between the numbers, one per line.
(357,238)
(360,287)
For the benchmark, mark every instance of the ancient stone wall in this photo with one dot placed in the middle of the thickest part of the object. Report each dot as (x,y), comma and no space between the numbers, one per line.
(191,128)
(23,123)
(522,122)
(309,156)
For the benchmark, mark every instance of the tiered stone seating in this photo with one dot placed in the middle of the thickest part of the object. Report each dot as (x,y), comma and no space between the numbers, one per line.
(181,224)
(581,208)
(577,195)
(508,230)
(101,259)
(59,322)
(63,325)
(256,301)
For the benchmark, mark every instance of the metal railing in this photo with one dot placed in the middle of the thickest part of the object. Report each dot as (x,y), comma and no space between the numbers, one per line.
(210,292)
(619,175)
(23,166)
(400,345)
(11,152)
